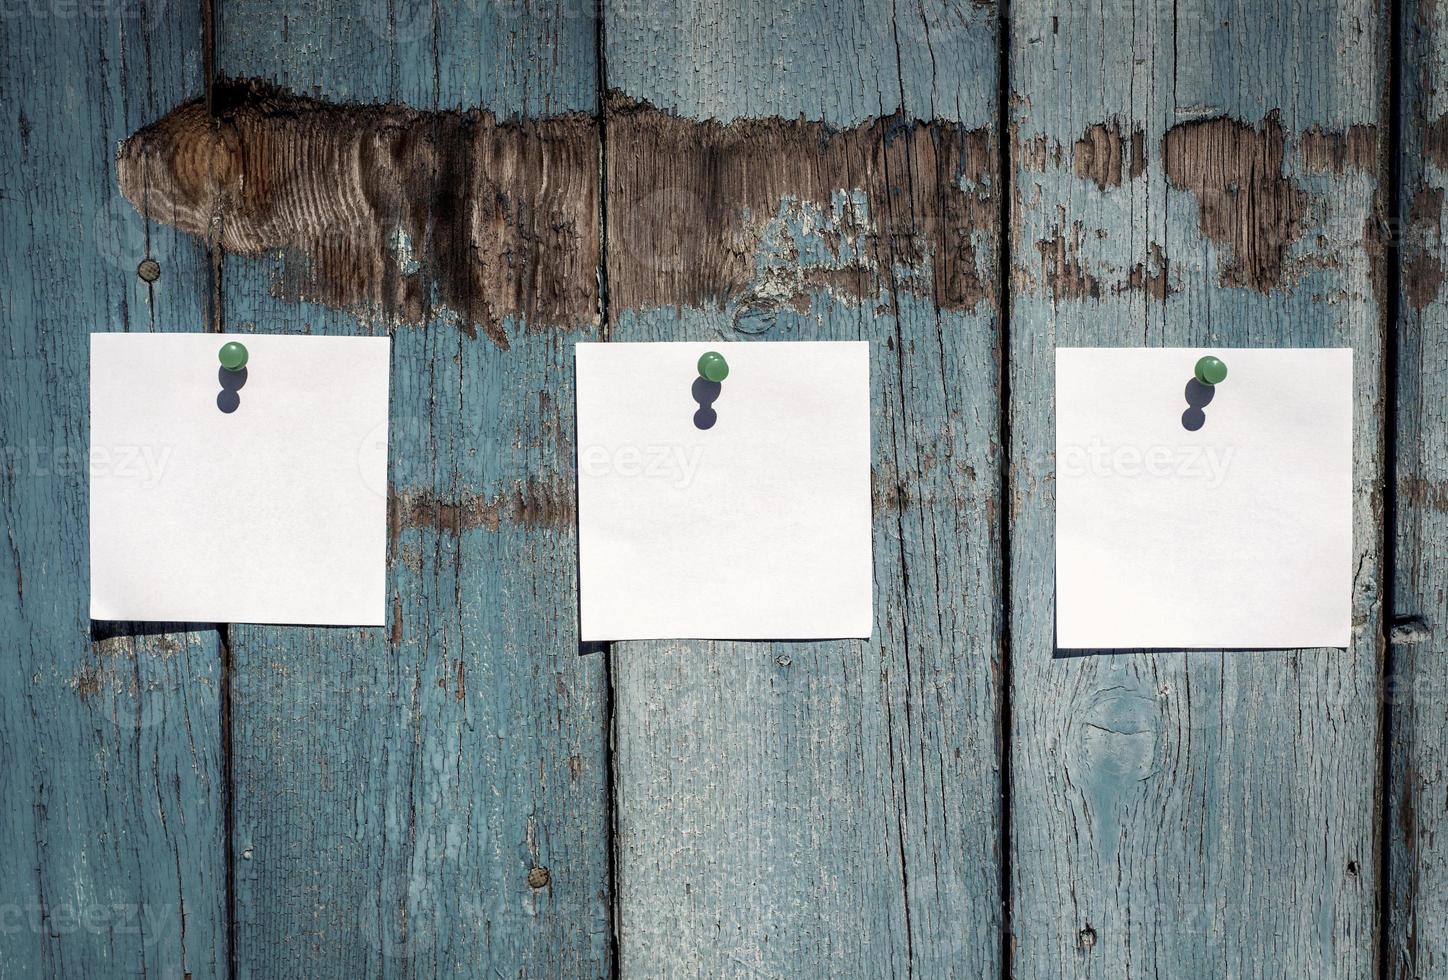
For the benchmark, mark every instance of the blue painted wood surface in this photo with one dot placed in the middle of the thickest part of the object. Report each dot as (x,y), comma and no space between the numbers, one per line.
(1202,813)
(400,791)
(112,790)
(1416,684)
(825,809)
(467,793)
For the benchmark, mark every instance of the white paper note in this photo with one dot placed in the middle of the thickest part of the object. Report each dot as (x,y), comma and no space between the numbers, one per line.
(1219,525)
(757,527)
(264,503)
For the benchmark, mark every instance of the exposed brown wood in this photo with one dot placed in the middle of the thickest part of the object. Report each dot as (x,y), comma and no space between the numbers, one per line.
(1097,154)
(1247,206)
(1066,276)
(1324,150)
(534,503)
(385,207)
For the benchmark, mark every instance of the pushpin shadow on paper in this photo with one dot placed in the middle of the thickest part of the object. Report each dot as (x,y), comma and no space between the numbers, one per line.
(1227,526)
(757,527)
(229,398)
(705,393)
(1199,396)
(274,513)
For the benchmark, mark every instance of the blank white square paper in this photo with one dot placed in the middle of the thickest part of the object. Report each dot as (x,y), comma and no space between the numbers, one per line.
(755,527)
(1188,523)
(264,503)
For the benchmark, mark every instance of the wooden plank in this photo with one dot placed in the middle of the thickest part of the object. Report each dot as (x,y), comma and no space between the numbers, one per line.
(430,798)
(1417,935)
(821,809)
(112,857)
(1193,173)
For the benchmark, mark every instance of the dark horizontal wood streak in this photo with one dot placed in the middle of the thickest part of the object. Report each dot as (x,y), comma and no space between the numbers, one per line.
(383,207)
(694,199)
(417,213)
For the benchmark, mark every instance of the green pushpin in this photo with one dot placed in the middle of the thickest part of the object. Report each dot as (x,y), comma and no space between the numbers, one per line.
(712,366)
(233,356)
(1210,370)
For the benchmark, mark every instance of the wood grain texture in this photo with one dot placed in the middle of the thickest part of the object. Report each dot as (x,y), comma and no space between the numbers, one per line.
(1201,813)
(841,62)
(823,809)
(429,799)
(1416,691)
(385,207)
(112,801)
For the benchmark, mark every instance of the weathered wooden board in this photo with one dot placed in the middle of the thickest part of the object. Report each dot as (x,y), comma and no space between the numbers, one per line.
(824,171)
(1193,173)
(112,857)
(1417,866)
(428,799)
(433,798)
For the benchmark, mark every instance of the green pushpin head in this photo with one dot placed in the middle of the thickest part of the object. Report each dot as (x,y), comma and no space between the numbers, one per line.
(233,356)
(712,366)
(1210,370)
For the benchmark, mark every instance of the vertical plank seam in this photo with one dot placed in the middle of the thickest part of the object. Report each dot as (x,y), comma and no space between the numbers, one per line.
(223,630)
(1387,613)
(208,53)
(600,58)
(1003,476)
(610,714)
(227,797)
